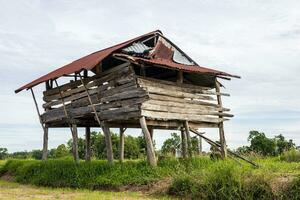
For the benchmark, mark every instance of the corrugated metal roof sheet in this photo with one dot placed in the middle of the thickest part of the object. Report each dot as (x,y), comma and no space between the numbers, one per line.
(87,62)
(90,61)
(186,68)
(137,47)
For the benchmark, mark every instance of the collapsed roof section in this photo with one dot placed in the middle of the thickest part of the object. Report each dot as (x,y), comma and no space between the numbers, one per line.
(151,49)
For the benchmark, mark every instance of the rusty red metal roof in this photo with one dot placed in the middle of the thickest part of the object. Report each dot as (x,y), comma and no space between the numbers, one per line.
(87,62)
(90,61)
(182,67)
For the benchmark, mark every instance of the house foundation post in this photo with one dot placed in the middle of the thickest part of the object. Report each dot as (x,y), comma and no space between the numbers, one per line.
(109,151)
(150,148)
(88,144)
(183,143)
(121,144)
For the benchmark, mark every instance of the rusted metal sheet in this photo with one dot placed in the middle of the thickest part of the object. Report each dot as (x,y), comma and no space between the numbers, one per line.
(162,55)
(187,68)
(87,62)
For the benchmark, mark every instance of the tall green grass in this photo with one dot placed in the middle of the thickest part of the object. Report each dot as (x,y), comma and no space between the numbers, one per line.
(198,178)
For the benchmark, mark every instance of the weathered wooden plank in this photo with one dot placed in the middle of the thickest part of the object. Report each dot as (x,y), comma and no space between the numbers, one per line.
(163,108)
(119,75)
(179,94)
(180,100)
(58,113)
(186,105)
(88,79)
(178,87)
(176,116)
(138,92)
(175,83)
(102,90)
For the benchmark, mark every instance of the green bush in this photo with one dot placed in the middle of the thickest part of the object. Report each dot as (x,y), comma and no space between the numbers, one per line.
(291,156)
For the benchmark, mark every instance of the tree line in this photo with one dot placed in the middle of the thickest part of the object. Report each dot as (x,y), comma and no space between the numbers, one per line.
(135,147)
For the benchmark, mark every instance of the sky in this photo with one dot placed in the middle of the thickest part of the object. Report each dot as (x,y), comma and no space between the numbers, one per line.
(258,40)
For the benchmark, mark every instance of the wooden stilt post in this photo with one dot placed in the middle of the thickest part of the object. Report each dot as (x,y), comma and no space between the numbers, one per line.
(183,143)
(44,126)
(221,125)
(75,143)
(188,136)
(45,143)
(200,145)
(73,126)
(109,151)
(150,149)
(151,133)
(121,144)
(88,144)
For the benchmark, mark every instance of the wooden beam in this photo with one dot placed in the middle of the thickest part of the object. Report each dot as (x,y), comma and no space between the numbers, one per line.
(45,128)
(121,144)
(88,144)
(75,143)
(188,136)
(109,151)
(150,149)
(183,143)
(209,141)
(221,125)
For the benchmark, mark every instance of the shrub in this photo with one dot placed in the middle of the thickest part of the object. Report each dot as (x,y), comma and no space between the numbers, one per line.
(256,187)
(292,190)
(291,156)
(183,186)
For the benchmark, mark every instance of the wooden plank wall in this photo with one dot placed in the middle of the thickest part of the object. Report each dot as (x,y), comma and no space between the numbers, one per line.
(175,101)
(114,93)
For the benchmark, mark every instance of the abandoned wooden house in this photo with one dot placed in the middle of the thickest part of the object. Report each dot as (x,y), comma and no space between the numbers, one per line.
(147,82)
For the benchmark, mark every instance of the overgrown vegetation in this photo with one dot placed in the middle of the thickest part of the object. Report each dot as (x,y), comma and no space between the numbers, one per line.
(194,178)
(278,176)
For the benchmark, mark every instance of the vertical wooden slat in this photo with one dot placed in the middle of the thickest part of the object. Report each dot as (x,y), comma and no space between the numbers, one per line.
(88,144)
(150,148)
(221,125)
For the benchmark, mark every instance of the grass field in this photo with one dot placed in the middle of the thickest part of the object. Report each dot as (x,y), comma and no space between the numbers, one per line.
(195,178)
